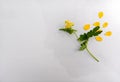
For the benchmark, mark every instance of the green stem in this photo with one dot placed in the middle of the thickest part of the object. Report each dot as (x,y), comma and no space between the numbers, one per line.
(87,49)
(92,55)
(76,35)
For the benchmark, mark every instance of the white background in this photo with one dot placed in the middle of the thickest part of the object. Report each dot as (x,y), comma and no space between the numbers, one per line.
(33,50)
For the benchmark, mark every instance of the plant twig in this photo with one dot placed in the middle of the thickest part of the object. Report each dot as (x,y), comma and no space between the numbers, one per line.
(92,55)
(76,35)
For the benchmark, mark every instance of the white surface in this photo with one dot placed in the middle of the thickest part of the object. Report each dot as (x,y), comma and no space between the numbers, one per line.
(33,50)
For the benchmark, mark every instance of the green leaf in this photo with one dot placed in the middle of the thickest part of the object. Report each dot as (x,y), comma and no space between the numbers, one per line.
(95,29)
(68,30)
(83,37)
(62,29)
(90,33)
(97,33)
(83,45)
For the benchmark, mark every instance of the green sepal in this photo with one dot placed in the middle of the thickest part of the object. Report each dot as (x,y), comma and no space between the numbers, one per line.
(68,30)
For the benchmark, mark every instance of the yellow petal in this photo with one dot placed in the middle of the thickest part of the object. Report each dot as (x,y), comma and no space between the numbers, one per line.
(105,24)
(98,38)
(108,33)
(67,21)
(68,26)
(72,24)
(96,24)
(100,14)
(86,27)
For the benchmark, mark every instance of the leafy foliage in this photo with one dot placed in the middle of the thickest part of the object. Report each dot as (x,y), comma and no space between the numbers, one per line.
(85,37)
(83,45)
(94,32)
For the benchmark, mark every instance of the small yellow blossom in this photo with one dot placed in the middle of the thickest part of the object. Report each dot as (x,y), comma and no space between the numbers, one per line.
(105,24)
(96,24)
(86,27)
(98,38)
(68,24)
(100,14)
(108,33)
(67,21)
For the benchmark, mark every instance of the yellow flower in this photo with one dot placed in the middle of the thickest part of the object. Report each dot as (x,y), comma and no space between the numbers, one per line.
(105,24)
(96,24)
(86,27)
(67,21)
(68,24)
(98,38)
(108,33)
(100,14)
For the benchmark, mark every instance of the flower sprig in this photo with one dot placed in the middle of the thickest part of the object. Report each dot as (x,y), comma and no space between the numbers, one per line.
(68,27)
(83,39)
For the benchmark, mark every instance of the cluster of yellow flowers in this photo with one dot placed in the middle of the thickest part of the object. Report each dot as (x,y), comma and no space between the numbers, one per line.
(68,24)
(104,25)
